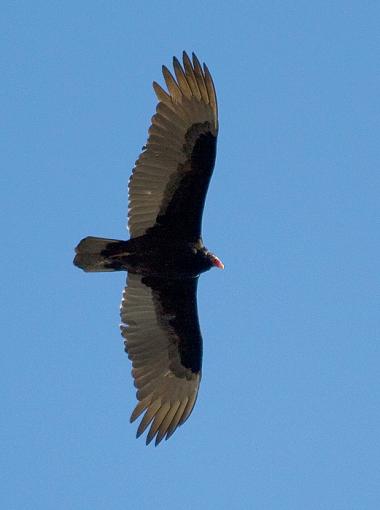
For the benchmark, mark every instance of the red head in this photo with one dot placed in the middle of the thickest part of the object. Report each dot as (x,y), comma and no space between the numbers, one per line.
(215,261)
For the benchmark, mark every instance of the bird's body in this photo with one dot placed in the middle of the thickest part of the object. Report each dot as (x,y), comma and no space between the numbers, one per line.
(165,254)
(148,255)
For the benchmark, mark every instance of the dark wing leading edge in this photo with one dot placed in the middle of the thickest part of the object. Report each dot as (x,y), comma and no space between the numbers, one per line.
(169,183)
(163,341)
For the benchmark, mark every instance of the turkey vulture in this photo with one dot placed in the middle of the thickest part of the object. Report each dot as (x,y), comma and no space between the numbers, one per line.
(165,253)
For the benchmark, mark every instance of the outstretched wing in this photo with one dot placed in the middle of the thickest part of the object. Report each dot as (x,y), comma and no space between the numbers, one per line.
(169,183)
(163,341)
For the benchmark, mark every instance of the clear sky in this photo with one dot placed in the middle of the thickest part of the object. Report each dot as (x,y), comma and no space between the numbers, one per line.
(288,415)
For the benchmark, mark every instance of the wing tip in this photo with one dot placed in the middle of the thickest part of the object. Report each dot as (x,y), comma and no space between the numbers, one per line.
(174,86)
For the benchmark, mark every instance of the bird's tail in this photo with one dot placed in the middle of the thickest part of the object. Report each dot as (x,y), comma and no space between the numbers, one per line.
(96,254)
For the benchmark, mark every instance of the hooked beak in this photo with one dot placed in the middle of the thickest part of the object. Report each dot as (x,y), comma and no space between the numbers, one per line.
(217,262)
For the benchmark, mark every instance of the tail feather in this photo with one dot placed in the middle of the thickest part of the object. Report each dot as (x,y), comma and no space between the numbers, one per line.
(95,254)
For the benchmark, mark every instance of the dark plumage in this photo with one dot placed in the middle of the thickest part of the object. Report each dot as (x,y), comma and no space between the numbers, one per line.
(165,254)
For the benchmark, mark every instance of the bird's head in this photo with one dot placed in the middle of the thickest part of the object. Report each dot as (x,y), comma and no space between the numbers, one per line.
(214,260)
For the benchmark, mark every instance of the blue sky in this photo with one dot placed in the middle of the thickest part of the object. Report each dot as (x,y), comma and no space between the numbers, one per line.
(288,415)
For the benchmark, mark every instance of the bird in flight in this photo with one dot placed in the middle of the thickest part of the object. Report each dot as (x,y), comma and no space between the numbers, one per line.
(165,253)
